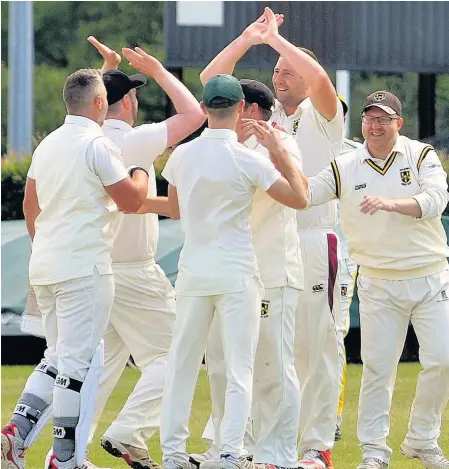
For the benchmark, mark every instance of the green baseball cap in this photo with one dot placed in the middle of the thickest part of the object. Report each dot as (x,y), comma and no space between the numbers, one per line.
(222,91)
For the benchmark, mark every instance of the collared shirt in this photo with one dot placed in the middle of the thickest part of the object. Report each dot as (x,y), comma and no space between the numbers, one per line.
(320,142)
(388,244)
(274,230)
(136,236)
(216,177)
(71,167)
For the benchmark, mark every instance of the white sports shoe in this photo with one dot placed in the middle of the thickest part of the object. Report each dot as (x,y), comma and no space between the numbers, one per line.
(174,465)
(137,458)
(87,463)
(228,462)
(372,463)
(198,458)
(432,458)
(13,453)
(56,464)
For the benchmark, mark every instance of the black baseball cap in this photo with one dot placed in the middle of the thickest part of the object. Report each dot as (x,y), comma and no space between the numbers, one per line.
(384,100)
(222,91)
(258,93)
(118,84)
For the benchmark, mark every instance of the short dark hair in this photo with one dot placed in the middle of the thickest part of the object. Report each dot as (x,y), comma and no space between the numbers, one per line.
(80,87)
(265,114)
(222,113)
(309,53)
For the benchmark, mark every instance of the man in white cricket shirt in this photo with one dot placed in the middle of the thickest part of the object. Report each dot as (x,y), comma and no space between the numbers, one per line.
(392,193)
(276,244)
(143,311)
(211,182)
(308,109)
(75,172)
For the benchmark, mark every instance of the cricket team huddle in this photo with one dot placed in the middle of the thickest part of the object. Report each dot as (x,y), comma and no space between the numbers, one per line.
(281,216)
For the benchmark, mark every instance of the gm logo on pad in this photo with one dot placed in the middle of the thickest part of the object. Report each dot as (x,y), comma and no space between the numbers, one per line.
(318,288)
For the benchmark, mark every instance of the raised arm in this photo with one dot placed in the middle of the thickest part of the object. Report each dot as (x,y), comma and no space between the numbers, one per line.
(321,90)
(227,59)
(111,58)
(189,115)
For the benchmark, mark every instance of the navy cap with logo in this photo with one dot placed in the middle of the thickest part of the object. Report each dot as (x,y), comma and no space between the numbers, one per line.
(384,100)
(258,93)
(222,91)
(118,84)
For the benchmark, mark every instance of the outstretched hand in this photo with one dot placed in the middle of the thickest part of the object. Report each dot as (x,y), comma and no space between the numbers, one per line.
(372,204)
(111,58)
(254,33)
(143,62)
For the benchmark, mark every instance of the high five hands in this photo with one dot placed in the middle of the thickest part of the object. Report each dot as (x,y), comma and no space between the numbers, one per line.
(137,58)
(265,27)
(111,58)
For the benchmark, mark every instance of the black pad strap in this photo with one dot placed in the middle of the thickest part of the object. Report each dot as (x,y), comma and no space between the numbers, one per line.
(68,383)
(45,368)
(66,433)
(33,415)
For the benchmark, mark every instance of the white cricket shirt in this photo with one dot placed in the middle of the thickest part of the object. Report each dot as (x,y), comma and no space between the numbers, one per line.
(348,146)
(274,230)
(71,166)
(136,236)
(320,142)
(388,245)
(216,177)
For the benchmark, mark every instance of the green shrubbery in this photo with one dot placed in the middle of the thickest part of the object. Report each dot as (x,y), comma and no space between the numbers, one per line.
(14,173)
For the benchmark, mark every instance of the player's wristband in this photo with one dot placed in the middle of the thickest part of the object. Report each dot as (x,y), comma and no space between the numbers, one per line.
(133,169)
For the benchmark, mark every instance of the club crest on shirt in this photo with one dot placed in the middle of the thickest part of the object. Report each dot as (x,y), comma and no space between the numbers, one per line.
(295,127)
(264,308)
(344,290)
(405,176)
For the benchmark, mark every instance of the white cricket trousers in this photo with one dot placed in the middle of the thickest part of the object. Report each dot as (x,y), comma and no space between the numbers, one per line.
(276,402)
(75,314)
(141,325)
(316,342)
(348,273)
(386,307)
(239,317)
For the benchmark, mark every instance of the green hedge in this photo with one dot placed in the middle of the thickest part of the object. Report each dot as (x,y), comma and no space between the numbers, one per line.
(14,173)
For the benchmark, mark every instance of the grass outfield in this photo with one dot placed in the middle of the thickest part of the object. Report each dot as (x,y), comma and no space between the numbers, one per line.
(346,452)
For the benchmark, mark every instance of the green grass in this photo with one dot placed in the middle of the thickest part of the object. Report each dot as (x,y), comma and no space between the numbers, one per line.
(346,452)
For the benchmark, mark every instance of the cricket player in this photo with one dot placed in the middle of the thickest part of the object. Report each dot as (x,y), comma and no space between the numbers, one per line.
(276,244)
(392,192)
(212,180)
(143,311)
(74,174)
(348,273)
(308,108)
